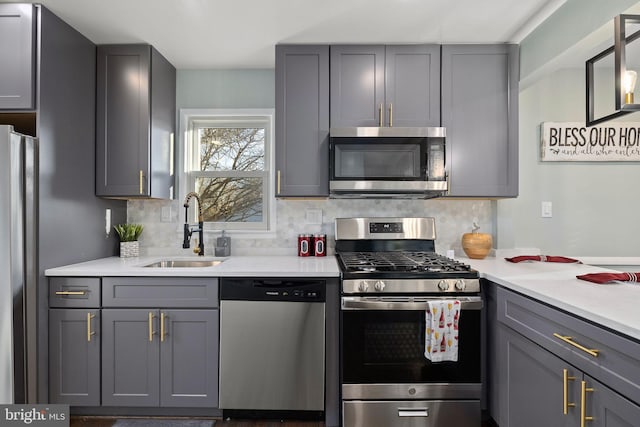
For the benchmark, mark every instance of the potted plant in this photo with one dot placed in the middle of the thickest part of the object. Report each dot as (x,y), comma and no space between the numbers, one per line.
(129,234)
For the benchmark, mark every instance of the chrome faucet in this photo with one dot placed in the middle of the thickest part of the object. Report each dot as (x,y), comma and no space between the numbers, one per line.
(189,229)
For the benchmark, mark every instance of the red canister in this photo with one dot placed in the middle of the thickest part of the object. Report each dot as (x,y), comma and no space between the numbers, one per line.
(320,244)
(304,244)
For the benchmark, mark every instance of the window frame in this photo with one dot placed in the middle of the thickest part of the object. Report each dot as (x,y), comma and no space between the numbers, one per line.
(188,154)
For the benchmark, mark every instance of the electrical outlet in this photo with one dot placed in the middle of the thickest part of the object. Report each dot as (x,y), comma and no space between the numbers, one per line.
(166,214)
(547,210)
(313,216)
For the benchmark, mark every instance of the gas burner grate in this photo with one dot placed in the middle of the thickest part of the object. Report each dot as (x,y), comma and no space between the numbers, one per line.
(400,261)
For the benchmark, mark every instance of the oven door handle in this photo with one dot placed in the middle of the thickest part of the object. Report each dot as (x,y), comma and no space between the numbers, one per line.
(382,303)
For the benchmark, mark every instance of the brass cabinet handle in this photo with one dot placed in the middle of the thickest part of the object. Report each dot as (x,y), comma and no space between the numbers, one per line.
(89,333)
(583,402)
(565,392)
(151,331)
(162,328)
(380,122)
(390,115)
(141,179)
(71,292)
(278,174)
(591,351)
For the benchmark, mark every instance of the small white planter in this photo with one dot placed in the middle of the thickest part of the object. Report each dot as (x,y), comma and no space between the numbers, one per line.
(129,249)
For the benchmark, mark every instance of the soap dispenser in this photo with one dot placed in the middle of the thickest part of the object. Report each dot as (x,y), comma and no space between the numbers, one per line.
(223,245)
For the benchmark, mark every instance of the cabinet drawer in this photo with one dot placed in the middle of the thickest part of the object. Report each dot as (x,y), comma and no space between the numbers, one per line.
(70,292)
(159,292)
(616,361)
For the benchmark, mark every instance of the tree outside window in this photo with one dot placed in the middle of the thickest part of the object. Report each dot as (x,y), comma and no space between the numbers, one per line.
(228,159)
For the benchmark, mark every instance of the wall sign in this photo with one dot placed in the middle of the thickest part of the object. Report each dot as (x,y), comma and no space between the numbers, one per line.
(574,142)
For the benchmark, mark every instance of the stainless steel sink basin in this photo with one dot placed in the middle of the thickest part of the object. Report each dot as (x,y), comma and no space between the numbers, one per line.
(176,263)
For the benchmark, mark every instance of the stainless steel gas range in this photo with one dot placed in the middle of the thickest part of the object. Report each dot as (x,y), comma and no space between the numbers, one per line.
(391,276)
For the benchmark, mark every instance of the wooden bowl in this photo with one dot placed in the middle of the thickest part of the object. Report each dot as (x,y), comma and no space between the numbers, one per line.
(477,245)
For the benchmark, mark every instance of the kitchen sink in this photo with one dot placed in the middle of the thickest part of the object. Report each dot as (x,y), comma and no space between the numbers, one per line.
(177,263)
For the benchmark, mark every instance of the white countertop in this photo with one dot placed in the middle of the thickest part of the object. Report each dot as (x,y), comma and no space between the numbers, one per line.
(615,306)
(239,266)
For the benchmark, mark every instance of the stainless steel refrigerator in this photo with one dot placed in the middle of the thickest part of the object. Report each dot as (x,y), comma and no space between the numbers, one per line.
(18,261)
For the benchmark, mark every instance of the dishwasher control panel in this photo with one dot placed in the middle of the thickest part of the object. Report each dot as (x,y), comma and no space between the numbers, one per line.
(273,289)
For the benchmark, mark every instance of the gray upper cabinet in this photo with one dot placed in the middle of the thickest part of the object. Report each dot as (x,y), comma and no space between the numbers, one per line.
(376,85)
(480,114)
(302,120)
(17,68)
(136,89)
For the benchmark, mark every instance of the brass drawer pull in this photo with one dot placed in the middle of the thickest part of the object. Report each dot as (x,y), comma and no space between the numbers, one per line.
(89,332)
(71,292)
(565,392)
(151,331)
(583,402)
(591,351)
(163,317)
(278,181)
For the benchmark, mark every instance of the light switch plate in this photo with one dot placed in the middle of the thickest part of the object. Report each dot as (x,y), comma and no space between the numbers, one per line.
(313,216)
(547,210)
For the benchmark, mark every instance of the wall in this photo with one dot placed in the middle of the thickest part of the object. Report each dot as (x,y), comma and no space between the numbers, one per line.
(256,89)
(594,203)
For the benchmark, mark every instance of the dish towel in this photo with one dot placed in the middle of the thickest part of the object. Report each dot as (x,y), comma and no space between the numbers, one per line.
(543,258)
(602,278)
(441,340)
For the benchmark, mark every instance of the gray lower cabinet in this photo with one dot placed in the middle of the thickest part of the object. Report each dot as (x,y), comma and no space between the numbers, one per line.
(74,356)
(377,85)
(480,114)
(18,65)
(302,121)
(74,341)
(135,127)
(162,357)
(542,380)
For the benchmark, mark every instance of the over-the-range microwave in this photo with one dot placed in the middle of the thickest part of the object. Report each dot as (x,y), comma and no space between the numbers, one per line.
(387,162)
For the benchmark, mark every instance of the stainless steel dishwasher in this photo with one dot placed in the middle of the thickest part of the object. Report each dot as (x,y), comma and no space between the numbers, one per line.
(272,346)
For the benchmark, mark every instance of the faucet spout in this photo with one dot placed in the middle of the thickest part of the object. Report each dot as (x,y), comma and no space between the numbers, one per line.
(188,229)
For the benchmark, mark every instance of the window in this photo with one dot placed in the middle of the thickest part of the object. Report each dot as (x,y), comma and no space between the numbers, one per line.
(228,163)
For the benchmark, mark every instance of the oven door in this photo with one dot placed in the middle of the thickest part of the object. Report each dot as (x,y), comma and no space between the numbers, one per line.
(383,345)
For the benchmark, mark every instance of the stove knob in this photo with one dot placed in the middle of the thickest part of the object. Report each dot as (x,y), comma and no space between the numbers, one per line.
(363,286)
(460,285)
(443,285)
(379,286)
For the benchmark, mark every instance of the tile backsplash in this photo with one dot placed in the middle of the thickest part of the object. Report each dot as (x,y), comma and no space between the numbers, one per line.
(163,236)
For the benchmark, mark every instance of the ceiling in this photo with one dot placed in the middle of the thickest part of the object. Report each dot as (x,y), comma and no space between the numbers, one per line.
(228,34)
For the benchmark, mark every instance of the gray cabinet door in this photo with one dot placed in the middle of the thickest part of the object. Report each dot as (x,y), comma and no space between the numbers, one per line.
(357,85)
(412,85)
(532,385)
(480,114)
(189,358)
(135,113)
(74,356)
(608,408)
(130,357)
(17,68)
(302,120)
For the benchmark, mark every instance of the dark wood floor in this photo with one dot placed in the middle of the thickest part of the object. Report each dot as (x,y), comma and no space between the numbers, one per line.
(109,421)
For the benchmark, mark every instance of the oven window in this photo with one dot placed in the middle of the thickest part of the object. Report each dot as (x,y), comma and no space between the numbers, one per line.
(388,347)
(371,160)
